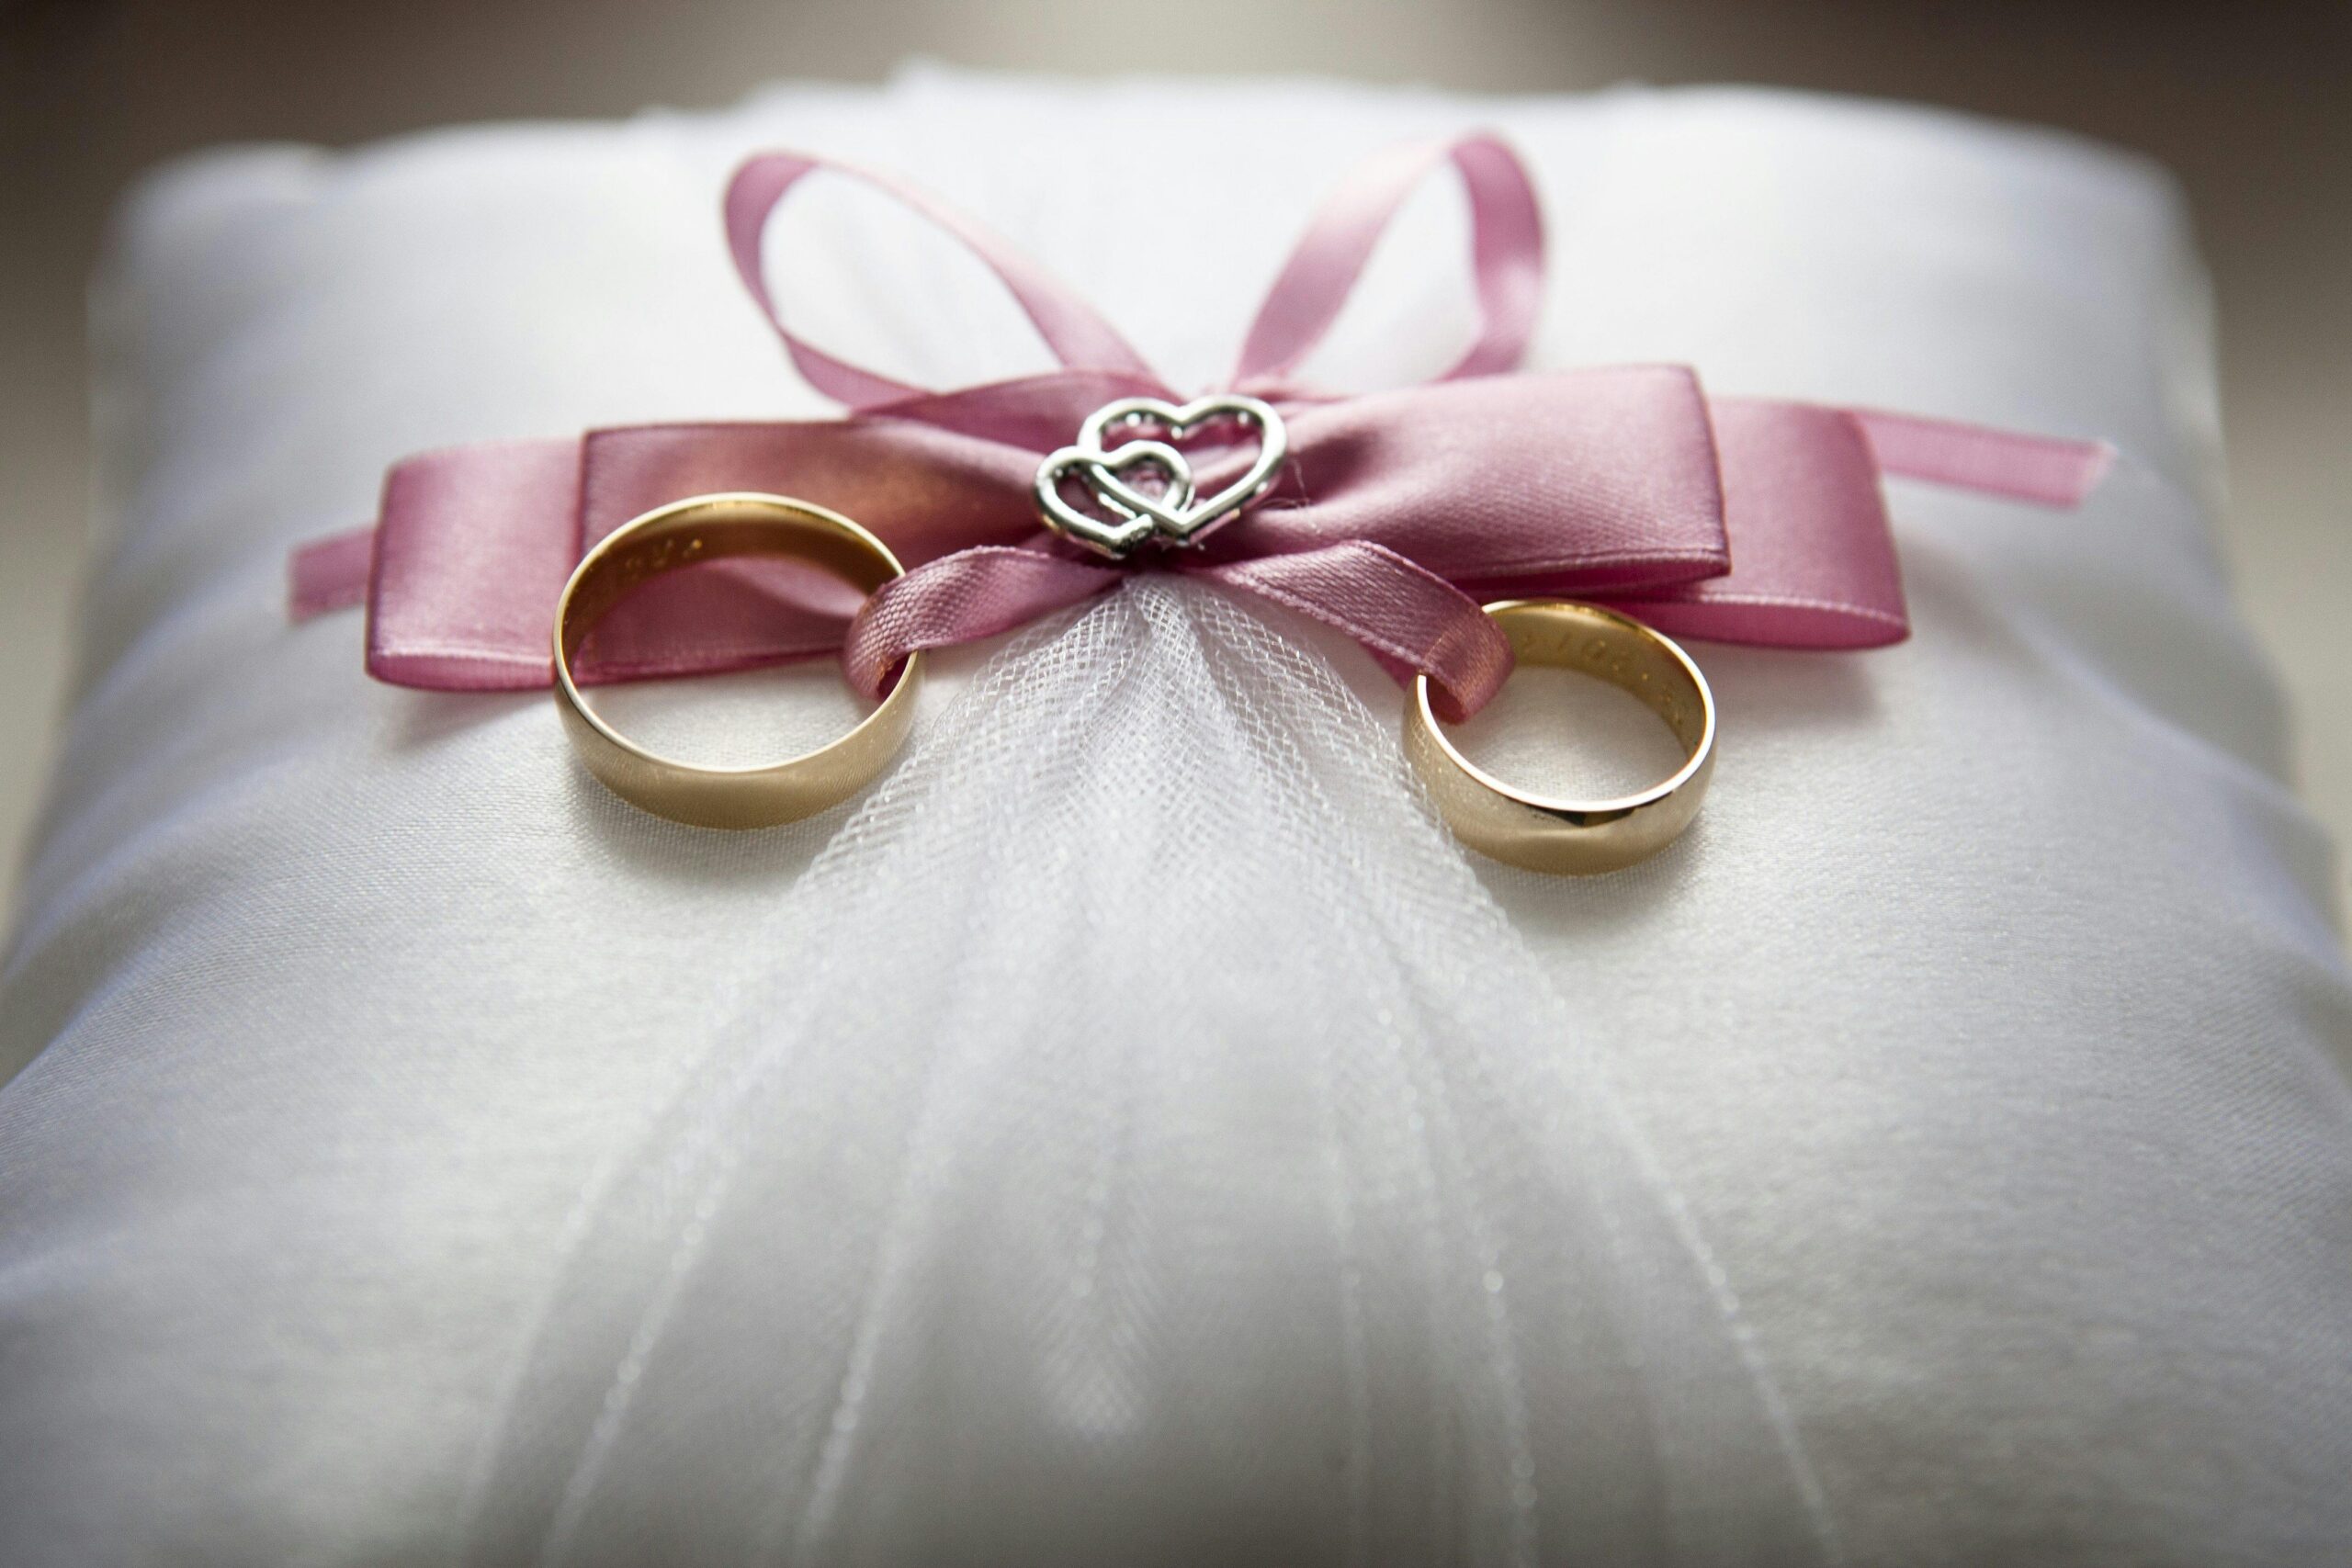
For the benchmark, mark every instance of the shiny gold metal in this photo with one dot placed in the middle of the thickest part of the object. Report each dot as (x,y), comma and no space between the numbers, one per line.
(714,527)
(1569,837)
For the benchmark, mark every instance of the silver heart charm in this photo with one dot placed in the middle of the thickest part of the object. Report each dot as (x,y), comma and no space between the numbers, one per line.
(1176,516)
(1099,472)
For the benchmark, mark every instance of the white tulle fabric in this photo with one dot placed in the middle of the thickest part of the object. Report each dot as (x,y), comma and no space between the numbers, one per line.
(1053,1151)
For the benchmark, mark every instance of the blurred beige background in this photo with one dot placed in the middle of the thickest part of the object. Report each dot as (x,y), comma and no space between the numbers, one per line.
(2247,100)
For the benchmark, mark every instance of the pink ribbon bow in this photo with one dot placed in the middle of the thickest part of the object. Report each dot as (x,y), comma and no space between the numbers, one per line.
(1396,514)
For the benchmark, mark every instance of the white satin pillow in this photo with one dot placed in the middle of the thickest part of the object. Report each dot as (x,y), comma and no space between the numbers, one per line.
(1988,1030)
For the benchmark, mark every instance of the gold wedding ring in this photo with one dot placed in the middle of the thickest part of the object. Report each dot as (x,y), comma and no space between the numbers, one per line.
(716,527)
(1574,837)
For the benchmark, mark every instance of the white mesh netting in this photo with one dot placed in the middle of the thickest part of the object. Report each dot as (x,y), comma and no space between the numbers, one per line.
(1154,1147)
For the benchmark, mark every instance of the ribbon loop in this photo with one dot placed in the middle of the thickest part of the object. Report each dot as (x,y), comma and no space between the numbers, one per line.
(1506,256)
(1078,336)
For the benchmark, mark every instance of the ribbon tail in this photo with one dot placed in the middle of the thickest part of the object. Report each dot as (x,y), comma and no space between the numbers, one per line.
(1814,562)
(2043,469)
(1411,620)
(961,598)
(330,574)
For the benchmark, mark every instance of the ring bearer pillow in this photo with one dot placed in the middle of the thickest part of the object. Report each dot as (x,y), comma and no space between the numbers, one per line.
(1134,1131)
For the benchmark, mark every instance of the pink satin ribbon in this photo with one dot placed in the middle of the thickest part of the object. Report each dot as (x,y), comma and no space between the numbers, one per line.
(1396,514)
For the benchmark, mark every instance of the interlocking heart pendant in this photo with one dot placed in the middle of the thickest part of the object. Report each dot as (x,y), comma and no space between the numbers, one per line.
(1176,516)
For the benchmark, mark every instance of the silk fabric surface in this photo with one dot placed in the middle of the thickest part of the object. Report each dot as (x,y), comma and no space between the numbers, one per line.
(1941,1156)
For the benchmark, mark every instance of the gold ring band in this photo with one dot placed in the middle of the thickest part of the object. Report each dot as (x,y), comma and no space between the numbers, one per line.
(1568,837)
(716,527)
